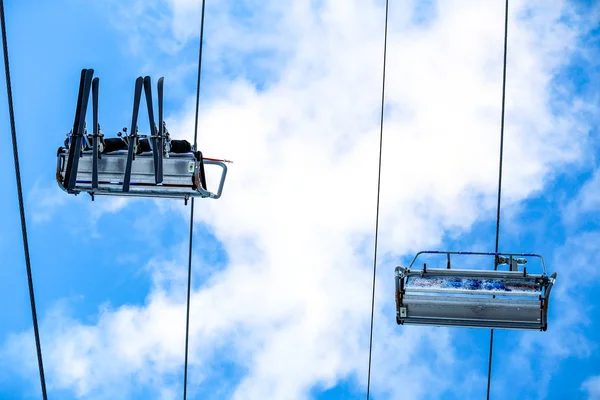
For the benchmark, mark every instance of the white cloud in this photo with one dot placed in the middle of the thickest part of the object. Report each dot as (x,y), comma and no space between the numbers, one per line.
(587,200)
(44,201)
(297,216)
(592,387)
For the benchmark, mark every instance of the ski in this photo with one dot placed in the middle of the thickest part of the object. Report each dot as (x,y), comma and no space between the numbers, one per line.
(133,136)
(161,128)
(78,127)
(95,154)
(152,139)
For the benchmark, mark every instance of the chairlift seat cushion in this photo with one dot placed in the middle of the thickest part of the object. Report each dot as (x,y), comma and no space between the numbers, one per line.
(116,144)
(455,284)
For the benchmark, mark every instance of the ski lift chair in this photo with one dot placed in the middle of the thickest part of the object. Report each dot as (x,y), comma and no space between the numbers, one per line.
(137,165)
(499,299)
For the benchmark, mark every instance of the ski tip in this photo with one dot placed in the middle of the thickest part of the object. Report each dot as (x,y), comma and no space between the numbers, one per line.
(147,78)
(217,159)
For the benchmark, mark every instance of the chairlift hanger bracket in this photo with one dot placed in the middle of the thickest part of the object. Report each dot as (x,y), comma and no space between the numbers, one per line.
(475,298)
(131,165)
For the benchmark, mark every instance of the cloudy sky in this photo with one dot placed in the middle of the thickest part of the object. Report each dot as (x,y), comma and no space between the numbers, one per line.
(283,261)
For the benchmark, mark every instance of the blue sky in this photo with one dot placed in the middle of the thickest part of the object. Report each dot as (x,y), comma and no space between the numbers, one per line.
(282,263)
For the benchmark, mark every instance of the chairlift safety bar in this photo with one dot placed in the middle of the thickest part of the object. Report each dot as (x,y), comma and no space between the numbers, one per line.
(475,253)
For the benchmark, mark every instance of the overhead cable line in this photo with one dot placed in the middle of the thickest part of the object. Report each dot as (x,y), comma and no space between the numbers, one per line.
(378,195)
(21,206)
(499,181)
(189,272)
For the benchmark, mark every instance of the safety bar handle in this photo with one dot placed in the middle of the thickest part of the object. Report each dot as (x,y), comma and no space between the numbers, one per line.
(223,166)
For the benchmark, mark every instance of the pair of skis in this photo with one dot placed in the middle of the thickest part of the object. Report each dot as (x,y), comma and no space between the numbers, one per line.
(86,82)
(156,138)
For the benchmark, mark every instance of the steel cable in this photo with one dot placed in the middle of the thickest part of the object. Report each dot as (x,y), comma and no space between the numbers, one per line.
(378,196)
(21,206)
(499,182)
(189,272)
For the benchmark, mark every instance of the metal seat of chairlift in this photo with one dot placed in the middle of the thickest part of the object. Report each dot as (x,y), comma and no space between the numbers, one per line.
(163,168)
(180,175)
(499,299)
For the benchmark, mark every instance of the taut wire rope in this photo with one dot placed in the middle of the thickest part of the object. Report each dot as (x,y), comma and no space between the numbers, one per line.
(378,195)
(21,206)
(499,181)
(189,272)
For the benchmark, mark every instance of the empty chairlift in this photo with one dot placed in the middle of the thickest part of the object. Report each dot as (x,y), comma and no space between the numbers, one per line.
(504,298)
(131,164)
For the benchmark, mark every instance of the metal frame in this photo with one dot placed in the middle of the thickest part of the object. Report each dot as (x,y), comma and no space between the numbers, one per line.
(475,308)
(176,183)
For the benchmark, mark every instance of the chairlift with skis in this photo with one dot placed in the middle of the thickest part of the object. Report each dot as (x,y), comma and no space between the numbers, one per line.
(476,298)
(131,164)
